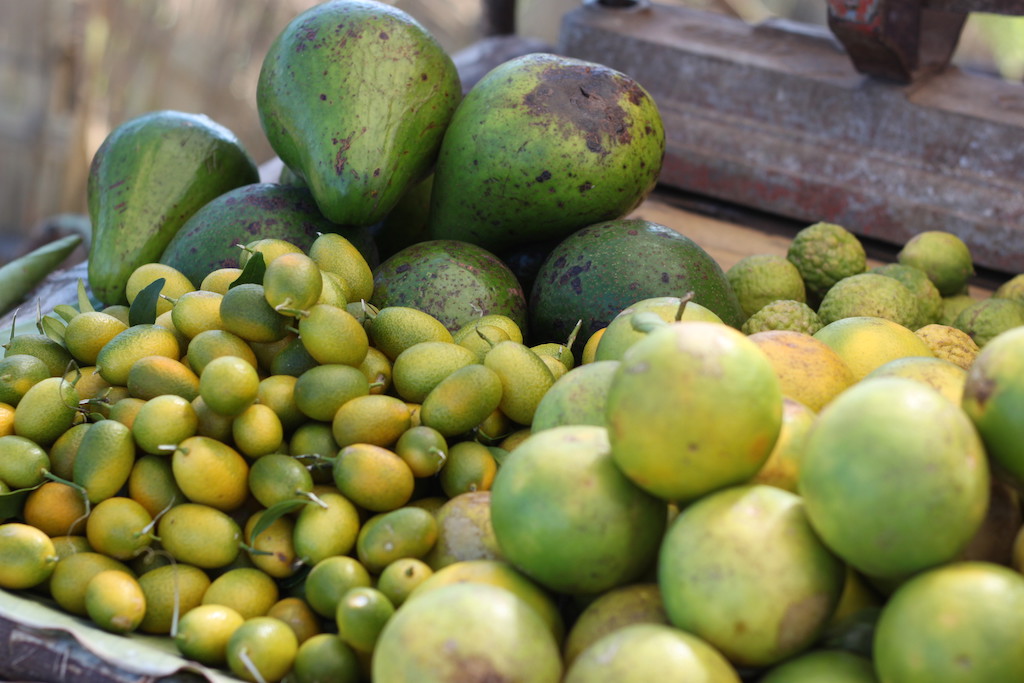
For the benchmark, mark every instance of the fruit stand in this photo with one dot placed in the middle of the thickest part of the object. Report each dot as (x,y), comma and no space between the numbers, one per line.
(407,406)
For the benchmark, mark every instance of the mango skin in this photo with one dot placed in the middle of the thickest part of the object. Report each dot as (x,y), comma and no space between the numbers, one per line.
(211,238)
(354,97)
(146,179)
(542,146)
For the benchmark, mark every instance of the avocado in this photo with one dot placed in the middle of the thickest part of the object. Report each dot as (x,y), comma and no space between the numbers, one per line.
(354,96)
(601,269)
(146,179)
(451,280)
(542,146)
(211,238)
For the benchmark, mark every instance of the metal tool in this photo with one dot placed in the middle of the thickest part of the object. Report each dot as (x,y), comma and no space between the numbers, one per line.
(874,131)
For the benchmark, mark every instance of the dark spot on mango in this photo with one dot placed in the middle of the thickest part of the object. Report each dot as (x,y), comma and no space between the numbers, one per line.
(384,36)
(323,97)
(545,175)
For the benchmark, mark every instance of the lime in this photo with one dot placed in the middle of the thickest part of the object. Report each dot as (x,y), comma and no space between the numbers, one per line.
(943,256)
(29,556)
(203,633)
(760,279)
(870,294)
(825,253)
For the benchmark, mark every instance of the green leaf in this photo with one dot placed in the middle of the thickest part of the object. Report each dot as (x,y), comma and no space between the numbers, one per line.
(253,272)
(143,308)
(12,502)
(84,304)
(276,512)
(65,311)
(53,328)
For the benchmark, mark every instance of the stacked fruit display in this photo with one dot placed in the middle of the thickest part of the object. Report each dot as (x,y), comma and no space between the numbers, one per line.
(431,408)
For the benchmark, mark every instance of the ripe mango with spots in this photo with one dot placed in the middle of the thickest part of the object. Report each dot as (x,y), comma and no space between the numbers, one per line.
(355,98)
(542,146)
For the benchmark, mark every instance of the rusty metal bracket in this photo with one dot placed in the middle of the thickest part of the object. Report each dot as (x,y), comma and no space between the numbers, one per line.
(775,117)
(900,40)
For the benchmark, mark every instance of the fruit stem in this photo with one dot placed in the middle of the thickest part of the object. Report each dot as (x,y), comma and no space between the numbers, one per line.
(685,299)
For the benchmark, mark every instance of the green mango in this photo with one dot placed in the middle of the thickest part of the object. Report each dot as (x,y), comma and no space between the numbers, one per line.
(212,237)
(146,179)
(542,146)
(355,97)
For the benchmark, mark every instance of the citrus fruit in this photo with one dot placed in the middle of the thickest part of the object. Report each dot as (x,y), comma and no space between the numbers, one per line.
(71,576)
(783,314)
(23,462)
(575,540)
(466,629)
(423,448)
(114,601)
(953,623)
(929,300)
(756,613)
(292,283)
(203,633)
(18,372)
(87,332)
(195,312)
(154,376)
(622,332)
(361,615)
(808,369)
(894,477)
(636,603)
(29,556)
(865,342)
(869,294)
(401,577)
(325,657)
(462,400)
(47,410)
(330,334)
(759,279)
(247,590)
(211,344)
(949,343)
(395,328)
(297,613)
(644,652)
(835,666)
(389,536)
(993,398)
(244,311)
(944,376)
(175,284)
(782,468)
(56,509)
(470,467)
(116,358)
(262,649)
(120,528)
(171,591)
(336,254)
(229,385)
(199,535)
(524,379)
(257,431)
(329,579)
(272,550)
(372,477)
(163,422)
(373,419)
(104,459)
(464,531)
(693,407)
(825,253)
(983,320)
(943,256)
(321,390)
(210,472)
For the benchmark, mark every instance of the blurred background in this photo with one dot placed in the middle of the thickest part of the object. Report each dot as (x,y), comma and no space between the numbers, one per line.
(72,70)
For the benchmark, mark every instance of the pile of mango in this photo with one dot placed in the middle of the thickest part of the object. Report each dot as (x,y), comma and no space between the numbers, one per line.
(431,408)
